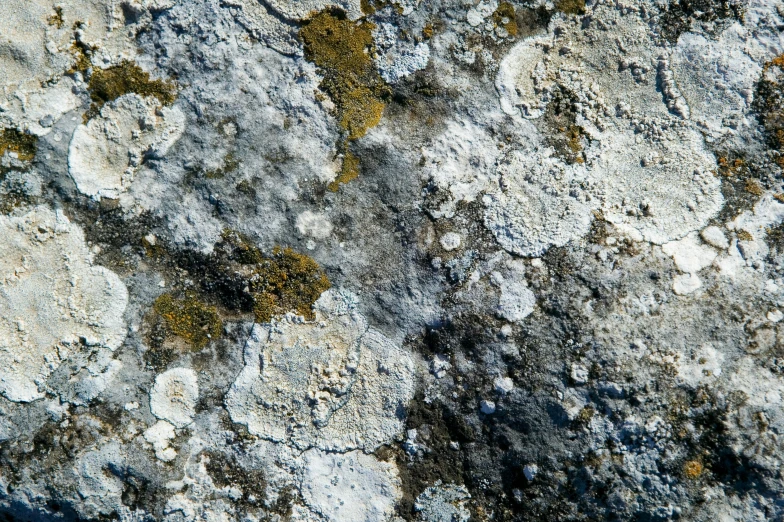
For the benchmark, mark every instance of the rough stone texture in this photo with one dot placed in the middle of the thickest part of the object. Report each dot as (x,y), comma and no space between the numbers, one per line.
(552,233)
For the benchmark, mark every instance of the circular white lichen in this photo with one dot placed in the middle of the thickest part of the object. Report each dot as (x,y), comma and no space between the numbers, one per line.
(540,204)
(53,301)
(333,383)
(664,189)
(173,396)
(349,487)
(522,81)
(105,153)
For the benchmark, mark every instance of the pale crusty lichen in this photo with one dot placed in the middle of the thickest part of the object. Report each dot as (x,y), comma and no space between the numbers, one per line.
(107,151)
(53,301)
(174,395)
(333,383)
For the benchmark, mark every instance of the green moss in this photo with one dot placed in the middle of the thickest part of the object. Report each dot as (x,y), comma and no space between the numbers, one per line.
(504,17)
(24,145)
(192,320)
(576,7)
(109,84)
(343,50)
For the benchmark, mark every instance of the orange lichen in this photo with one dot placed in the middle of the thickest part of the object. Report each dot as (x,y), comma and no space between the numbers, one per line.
(692,469)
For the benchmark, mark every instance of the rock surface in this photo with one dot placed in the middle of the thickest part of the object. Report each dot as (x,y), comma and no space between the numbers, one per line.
(393,261)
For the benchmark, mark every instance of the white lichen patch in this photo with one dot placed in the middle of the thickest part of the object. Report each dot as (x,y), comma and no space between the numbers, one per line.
(646,165)
(397,58)
(443,503)
(516,301)
(314,224)
(159,435)
(333,383)
(53,301)
(299,9)
(105,153)
(461,163)
(522,82)
(37,50)
(173,397)
(349,487)
(664,188)
(540,203)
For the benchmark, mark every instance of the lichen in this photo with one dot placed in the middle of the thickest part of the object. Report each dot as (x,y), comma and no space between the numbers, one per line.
(109,84)
(504,17)
(280,282)
(23,145)
(56,19)
(349,170)
(189,318)
(769,104)
(692,469)
(576,7)
(230,164)
(343,50)
(284,282)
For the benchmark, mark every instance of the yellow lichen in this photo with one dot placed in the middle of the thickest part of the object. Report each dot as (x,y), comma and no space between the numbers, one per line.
(56,19)
(571,6)
(504,17)
(23,145)
(753,187)
(745,236)
(192,320)
(692,469)
(284,282)
(349,170)
(428,31)
(367,7)
(109,84)
(343,50)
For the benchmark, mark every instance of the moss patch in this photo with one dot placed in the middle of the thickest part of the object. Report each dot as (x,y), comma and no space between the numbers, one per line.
(192,320)
(504,17)
(109,84)
(23,145)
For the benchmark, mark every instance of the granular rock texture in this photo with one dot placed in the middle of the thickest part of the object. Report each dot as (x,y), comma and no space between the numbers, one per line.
(361,260)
